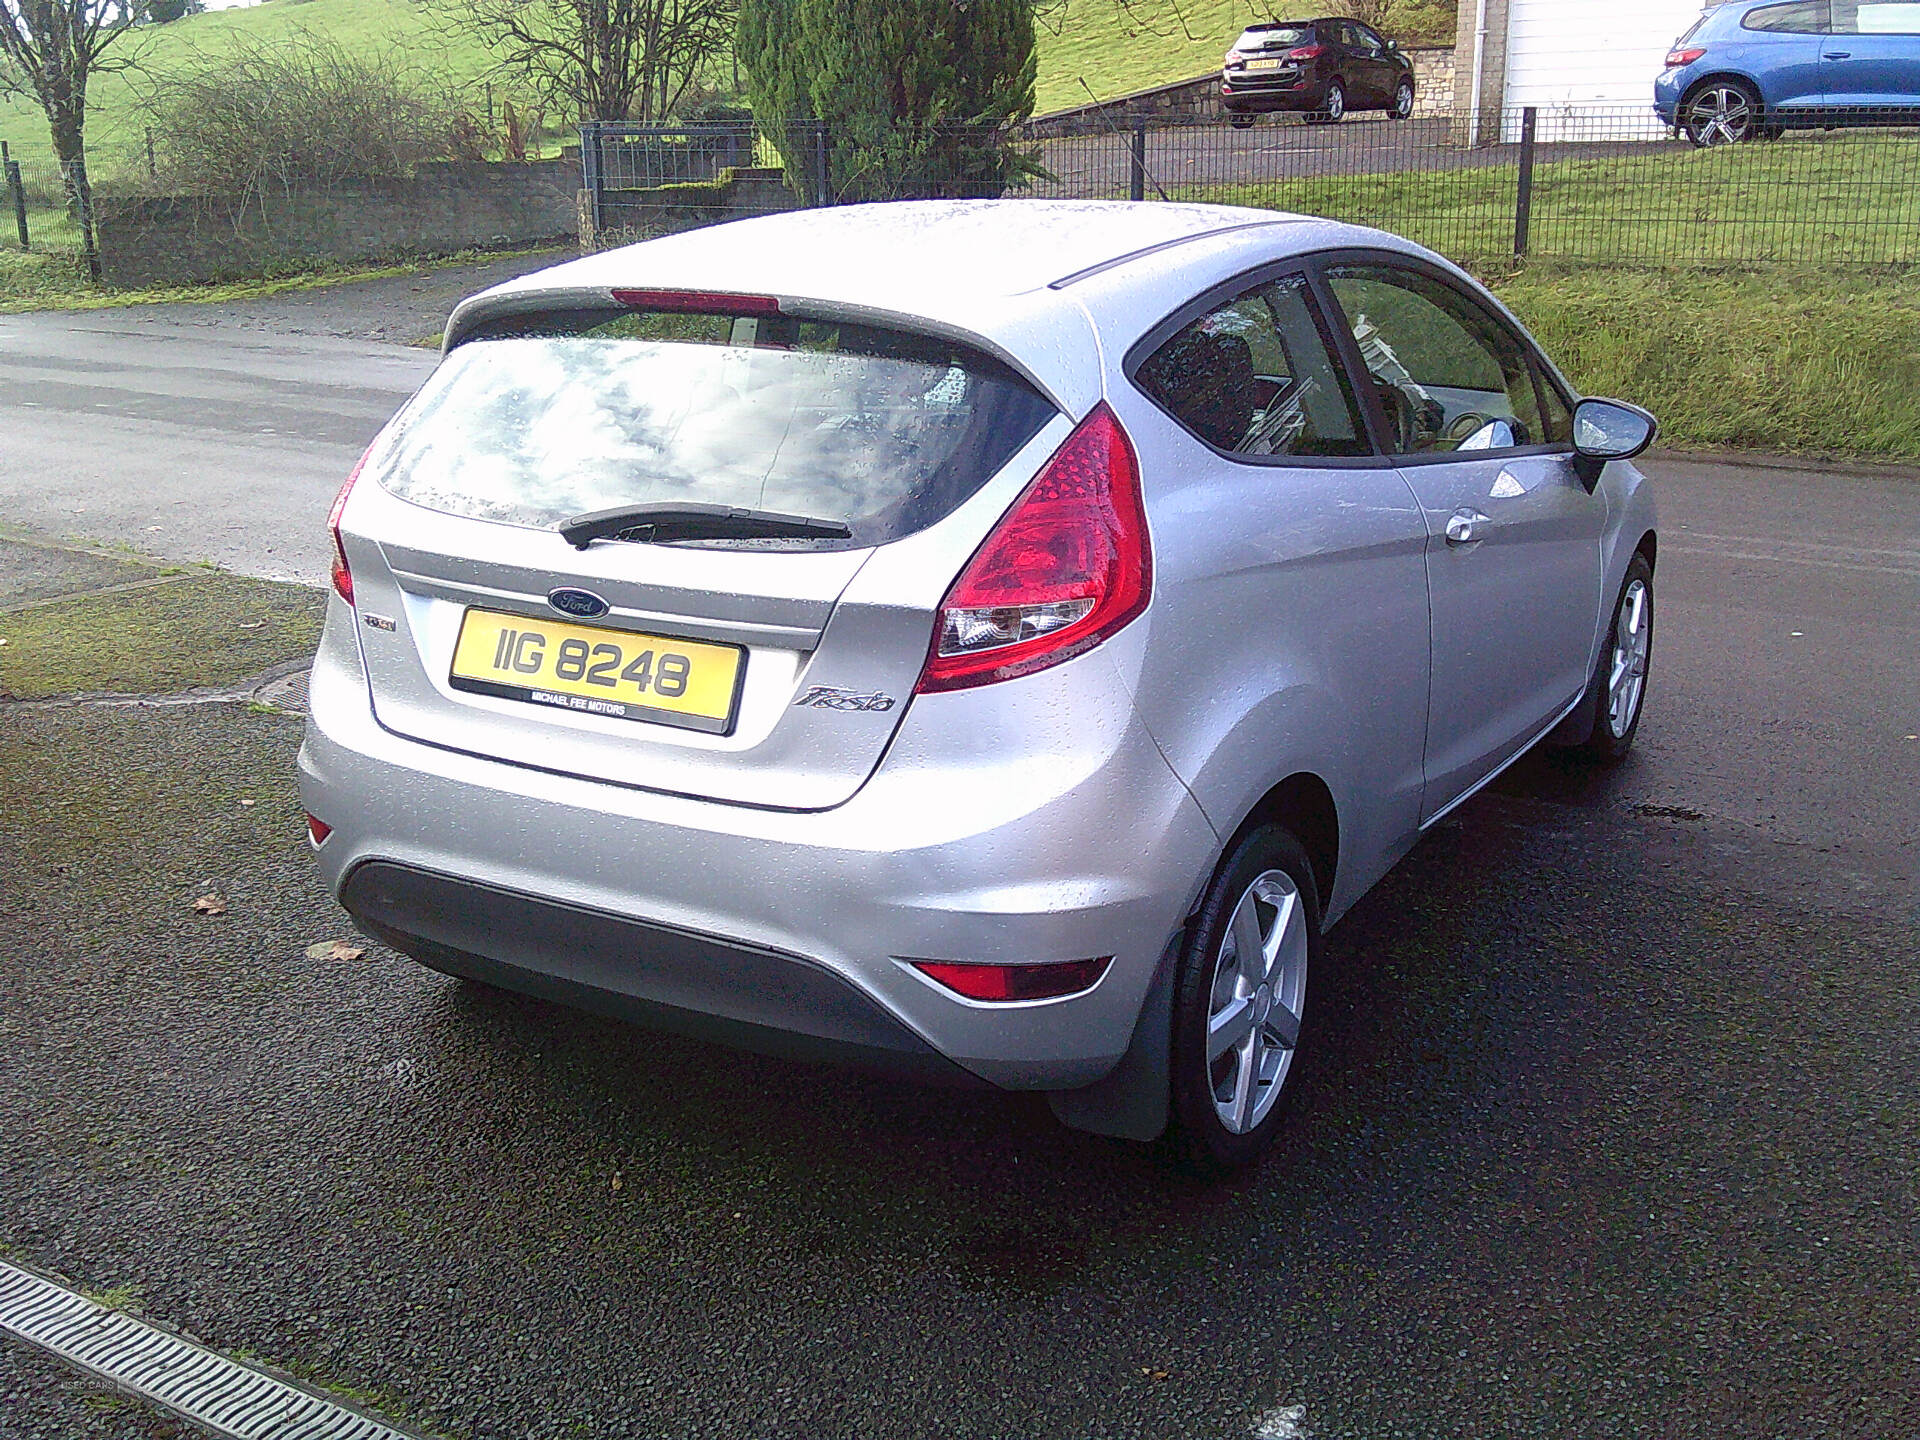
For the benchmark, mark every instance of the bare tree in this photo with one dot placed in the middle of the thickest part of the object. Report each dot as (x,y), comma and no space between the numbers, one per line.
(52,48)
(603,59)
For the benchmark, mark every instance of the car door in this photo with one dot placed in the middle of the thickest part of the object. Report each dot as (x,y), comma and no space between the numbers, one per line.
(1376,62)
(1513,536)
(1780,45)
(1872,55)
(1289,615)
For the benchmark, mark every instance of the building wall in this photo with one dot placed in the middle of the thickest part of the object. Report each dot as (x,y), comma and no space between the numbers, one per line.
(441,209)
(1493,71)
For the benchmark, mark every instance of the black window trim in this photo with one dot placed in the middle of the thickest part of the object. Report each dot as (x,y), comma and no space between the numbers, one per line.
(1225,293)
(1361,378)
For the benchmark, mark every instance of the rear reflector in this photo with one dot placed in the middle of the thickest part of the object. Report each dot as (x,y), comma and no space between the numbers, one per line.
(318,830)
(698,302)
(1016,982)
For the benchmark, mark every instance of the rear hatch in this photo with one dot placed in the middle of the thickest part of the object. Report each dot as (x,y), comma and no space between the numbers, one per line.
(724,644)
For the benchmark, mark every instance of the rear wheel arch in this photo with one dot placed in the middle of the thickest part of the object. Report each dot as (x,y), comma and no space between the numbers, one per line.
(1723,77)
(1304,806)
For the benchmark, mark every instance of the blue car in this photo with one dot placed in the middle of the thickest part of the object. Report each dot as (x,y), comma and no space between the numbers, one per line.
(1747,71)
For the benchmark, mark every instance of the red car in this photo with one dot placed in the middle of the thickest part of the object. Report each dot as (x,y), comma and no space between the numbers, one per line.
(1323,68)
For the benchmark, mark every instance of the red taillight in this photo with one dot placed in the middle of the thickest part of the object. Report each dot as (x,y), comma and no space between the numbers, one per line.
(1016,982)
(342,573)
(318,829)
(697,302)
(1065,568)
(1307,52)
(1683,57)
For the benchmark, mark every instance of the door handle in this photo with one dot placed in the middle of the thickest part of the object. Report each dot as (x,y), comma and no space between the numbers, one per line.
(1463,527)
(1837,55)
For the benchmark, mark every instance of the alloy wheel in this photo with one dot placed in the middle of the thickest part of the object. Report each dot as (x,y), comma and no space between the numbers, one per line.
(1632,647)
(1403,100)
(1336,102)
(1256,1000)
(1720,115)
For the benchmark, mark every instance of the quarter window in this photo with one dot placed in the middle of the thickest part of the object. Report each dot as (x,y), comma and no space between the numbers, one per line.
(1254,377)
(1449,374)
(1802,17)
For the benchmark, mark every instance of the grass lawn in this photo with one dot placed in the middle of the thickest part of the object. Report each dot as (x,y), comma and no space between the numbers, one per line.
(1784,359)
(1847,197)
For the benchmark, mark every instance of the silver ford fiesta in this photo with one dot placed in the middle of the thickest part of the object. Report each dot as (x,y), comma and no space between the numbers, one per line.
(988,641)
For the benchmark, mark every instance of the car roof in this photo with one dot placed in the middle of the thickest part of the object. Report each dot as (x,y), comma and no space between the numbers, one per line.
(999,273)
(984,248)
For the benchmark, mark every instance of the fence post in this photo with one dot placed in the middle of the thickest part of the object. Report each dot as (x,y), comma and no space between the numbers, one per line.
(822,192)
(1523,197)
(590,178)
(19,189)
(1137,158)
(10,177)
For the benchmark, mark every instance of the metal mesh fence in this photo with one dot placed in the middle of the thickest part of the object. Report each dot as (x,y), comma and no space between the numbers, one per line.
(1593,186)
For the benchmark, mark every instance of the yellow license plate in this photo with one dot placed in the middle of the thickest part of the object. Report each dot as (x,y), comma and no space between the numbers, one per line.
(1263,65)
(596,671)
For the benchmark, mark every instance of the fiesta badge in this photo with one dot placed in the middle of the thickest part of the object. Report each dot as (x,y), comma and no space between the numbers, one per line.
(581,604)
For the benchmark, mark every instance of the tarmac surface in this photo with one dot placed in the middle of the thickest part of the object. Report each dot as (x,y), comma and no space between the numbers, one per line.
(1611,1126)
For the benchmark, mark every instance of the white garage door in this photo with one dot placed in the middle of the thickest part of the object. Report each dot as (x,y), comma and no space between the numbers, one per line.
(1570,54)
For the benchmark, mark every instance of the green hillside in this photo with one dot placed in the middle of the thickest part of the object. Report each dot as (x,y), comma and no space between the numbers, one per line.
(1108,47)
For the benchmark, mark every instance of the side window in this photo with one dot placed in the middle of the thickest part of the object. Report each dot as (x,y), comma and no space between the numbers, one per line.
(1876,17)
(1254,377)
(1802,17)
(1366,38)
(1449,374)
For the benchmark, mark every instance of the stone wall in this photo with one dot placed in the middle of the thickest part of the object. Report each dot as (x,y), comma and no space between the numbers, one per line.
(1187,102)
(441,209)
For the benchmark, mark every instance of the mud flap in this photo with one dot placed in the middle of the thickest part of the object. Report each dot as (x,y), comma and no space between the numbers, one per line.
(1134,1101)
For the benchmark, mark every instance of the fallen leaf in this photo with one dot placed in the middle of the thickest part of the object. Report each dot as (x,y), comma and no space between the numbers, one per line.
(616,1182)
(247,802)
(336,950)
(210,905)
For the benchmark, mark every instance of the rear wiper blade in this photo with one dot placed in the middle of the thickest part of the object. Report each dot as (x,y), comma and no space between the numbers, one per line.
(658,523)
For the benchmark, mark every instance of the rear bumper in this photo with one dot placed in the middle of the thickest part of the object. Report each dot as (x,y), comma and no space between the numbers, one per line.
(671,979)
(1025,822)
(1242,96)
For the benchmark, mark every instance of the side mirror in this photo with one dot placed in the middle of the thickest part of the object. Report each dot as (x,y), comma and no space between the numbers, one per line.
(1393,45)
(1606,430)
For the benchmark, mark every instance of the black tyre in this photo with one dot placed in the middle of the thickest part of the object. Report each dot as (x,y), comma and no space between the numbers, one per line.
(1403,100)
(1240,122)
(1721,112)
(1240,1003)
(1617,694)
(1333,108)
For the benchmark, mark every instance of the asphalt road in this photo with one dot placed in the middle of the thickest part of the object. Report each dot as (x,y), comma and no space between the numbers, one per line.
(1612,1128)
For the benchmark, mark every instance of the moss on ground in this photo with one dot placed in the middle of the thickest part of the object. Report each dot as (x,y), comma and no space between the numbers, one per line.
(206,629)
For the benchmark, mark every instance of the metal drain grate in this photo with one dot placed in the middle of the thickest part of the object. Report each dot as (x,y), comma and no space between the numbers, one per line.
(225,1397)
(288,693)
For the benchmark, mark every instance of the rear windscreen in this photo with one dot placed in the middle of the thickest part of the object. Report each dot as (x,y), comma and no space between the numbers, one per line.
(538,418)
(1274,36)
